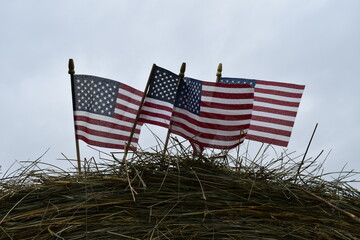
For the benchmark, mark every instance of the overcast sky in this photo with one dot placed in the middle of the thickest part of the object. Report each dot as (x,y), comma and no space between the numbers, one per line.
(314,42)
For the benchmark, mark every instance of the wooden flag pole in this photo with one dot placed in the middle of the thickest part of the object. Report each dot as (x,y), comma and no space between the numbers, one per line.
(218,73)
(139,112)
(218,77)
(72,72)
(181,76)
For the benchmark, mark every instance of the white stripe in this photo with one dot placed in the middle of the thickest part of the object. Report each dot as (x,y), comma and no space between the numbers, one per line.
(271,125)
(128,104)
(273,115)
(227,101)
(129,94)
(211,120)
(104,139)
(276,106)
(278,88)
(276,97)
(226,111)
(155,110)
(155,119)
(159,102)
(207,141)
(208,130)
(124,113)
(225,90)
(102,118)
(107,129)
(269,135)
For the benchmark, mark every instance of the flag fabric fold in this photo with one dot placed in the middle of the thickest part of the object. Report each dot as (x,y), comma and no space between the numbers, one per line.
(160,98)
(105,111)
(213,115)
(275,109)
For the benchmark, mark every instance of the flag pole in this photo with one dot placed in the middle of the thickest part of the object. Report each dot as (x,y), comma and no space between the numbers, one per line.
(218,77)
(151,75)
(72,72)
(181,76)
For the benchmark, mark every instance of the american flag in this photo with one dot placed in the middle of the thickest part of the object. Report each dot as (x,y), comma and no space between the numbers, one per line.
(213,115)
(275,108)
(160,99)
(104,111)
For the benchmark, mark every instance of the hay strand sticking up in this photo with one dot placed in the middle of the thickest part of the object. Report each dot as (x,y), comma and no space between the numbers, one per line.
(213,196)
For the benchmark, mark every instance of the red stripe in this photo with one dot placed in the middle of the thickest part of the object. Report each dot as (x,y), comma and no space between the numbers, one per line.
(126,108)
(224,95)
(226,106)
(131,89)
(274,110)
(280,84)
(129,99)
(154,114)
(278,102)
(223,117)
(157,106)
(104,134)
(102,144)
(278,93)
(104,123)
(158,123)
(208,125)
(267,140)
(123,118)
(272,120)
(271,130)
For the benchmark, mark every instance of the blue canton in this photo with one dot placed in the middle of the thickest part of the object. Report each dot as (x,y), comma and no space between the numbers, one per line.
(251,82)
(163,86)
(95,94)
(189,95)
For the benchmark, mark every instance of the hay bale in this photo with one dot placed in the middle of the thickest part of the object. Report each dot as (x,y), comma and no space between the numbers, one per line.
(179,197)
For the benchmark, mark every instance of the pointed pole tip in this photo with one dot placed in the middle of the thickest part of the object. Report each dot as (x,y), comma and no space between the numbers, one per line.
(71,66)
(182,70)
(219,70)
(218,73)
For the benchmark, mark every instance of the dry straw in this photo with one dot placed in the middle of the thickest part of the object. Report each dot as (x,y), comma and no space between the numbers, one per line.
(180,196)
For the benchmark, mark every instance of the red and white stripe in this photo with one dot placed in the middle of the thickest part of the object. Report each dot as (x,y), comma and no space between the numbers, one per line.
(156,112)
(224,118)
(275,108)
(111,132)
